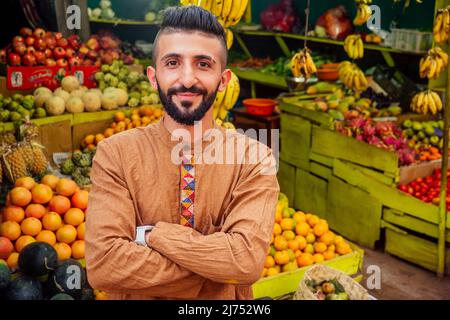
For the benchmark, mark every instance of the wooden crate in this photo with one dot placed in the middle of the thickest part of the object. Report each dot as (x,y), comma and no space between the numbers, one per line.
(412,248)
(310,193)
(318,118)
(287,282)
(295,140)
(353,212)
(286,180)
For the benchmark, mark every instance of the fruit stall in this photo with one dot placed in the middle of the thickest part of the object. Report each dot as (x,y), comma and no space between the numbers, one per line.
(360,103)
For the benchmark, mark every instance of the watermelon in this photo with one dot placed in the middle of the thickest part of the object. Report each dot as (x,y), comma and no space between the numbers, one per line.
(38,259)
(62,296)
(69,277)
(24,288)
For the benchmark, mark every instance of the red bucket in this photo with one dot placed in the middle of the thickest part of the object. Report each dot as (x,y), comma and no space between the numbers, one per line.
(260,107)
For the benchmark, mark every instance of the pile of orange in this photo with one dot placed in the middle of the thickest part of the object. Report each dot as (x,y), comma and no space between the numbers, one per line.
(123,121)
(299,240)
(52,211)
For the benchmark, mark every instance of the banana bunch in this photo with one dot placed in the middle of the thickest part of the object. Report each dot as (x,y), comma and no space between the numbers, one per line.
(433,63)
(441,26)
(425,102)
(225,124)
(226,99)
(229,12)
(230,38)
(302,64)
(352,76)
(354,46)
(363,13)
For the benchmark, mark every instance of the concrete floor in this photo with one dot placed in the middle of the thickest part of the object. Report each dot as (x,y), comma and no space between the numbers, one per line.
(401,280)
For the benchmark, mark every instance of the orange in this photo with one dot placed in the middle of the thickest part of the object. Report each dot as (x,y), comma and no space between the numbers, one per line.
(318,258)
(272,238)
(66,234)
(310,238)
(119,116)
(307,216)
(66,187)
(99,137)
(338,239)
(289,235)
(59,204)
(35,210)
(263,273)
(309,249)
(328,238)
(31,226)
(22,242)
(272,251)
(74,217)
(301,242)
(80,199)
(281,257)
(89,139)
(78,249)
(277,229)
(297,253)
(42,193)
(26,182)
(272,272)
(278,216)
(6,247)
(10,230)
(63,250)
(294,244)
(320,228)
(313,220)
(108,133)
(305,260)
(299,216)
(52,221)
(291,254)
(280,243)
(331,247)
(270,262)
(20,196)
(50,180)
(13,261)
(287,224)
(302,229)
(46,236)
(328,255)
(320,247)
(343,248)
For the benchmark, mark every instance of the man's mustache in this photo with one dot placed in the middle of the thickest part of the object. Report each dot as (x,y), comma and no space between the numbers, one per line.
(195,90)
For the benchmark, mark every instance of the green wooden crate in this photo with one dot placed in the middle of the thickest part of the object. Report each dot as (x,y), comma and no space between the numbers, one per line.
(353,212)
(326,161)
(316,117)
(287,282)
(310,193)
(335,145)
(320,170)
(413,249)
(286,179)
(295,141)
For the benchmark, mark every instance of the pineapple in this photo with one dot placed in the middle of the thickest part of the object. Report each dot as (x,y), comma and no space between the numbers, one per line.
(27,154)
(40,160)
(15,165)
(7,138)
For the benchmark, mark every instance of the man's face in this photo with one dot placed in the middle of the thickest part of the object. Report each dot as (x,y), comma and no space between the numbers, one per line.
(188,74)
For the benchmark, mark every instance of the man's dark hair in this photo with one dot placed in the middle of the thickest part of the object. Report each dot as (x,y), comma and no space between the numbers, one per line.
(191,19)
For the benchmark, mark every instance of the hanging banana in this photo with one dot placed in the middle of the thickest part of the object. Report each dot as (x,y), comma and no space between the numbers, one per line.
(302,64)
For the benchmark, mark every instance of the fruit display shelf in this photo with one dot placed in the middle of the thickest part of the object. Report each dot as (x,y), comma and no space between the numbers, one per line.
(257,76)
(287,282)
(118,22)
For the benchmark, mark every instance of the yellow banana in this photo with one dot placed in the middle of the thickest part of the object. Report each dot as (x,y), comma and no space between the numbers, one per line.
(227,5)
(438,23)
(216,109)
(235,8)
(227,102)
(437,100)
(236,92)
(430,102)
(219,97)
(230,38)
(223,112)
(206,4)
(243,7)
(217,7)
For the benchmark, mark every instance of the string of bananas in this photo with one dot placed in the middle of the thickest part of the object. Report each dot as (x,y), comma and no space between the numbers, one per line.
(354,46)
(426,102)
(441,26)
(225,124)
(352,76)
(433,63)
(226,99)
(302,64)
(363,13)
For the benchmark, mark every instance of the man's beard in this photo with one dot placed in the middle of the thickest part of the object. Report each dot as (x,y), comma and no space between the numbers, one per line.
(186,118)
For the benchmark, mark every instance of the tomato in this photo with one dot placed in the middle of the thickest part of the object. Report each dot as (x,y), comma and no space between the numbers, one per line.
(410,190)
(419,180)
(403,188)
(429,180)
(417,195)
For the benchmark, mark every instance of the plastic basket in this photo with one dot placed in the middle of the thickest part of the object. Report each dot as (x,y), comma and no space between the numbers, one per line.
(411,40)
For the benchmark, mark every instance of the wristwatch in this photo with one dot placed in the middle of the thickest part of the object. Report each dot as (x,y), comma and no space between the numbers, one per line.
(140,235)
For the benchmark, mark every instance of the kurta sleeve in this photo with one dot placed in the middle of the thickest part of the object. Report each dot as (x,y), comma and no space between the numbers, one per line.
(114,262)
(236,254)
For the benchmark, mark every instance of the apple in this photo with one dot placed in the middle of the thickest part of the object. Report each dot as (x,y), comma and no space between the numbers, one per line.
(115,55)
(29,60)
(84,49)
(62,63)
(48,53)
(74,42)
(20,49)
(92,55)
(26,32)
(63,43)
(70,53)
(50,62)
(50,42)
(49,34)
(59,53)
(29,41)
(31,50)
(39,33)
(93,44)
(40,57)
(75,61)
(40,44)
(17,40)
(58,35)
(14,59)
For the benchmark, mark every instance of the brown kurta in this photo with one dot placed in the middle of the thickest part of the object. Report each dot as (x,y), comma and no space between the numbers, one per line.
(136,183)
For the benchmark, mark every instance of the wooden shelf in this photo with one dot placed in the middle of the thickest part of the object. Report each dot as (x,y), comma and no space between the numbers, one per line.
(257,76)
